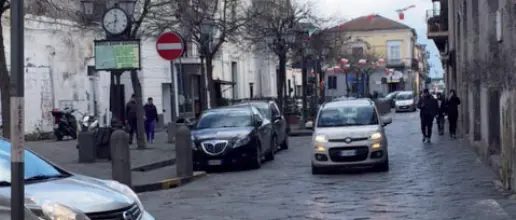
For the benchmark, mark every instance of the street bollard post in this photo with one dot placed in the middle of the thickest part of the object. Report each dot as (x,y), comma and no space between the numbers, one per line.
(171,131)
(184,160)
(87,147)
(120,157)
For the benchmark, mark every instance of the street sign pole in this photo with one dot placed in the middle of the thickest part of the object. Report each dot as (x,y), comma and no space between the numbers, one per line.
(17,111)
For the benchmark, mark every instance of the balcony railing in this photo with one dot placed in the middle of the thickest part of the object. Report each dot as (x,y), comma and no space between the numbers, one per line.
(436,22)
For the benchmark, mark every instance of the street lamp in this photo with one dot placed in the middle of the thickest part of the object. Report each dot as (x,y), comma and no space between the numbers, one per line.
(87,7)
(128,6)
(206,29)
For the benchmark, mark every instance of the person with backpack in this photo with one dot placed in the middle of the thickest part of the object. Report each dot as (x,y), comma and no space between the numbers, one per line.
(441,106)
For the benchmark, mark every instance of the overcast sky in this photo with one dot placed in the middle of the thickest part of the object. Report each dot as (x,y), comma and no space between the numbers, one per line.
(415,18)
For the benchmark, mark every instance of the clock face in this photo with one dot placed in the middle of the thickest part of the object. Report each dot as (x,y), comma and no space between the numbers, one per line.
(115,21)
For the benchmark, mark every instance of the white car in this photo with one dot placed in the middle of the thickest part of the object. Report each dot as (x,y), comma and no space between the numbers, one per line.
(349,133)
(405,101)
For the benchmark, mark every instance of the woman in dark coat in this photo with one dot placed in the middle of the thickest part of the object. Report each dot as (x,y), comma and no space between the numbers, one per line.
(441,102)
(452,105)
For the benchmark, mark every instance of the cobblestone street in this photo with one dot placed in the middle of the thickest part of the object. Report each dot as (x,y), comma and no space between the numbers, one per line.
(439,181)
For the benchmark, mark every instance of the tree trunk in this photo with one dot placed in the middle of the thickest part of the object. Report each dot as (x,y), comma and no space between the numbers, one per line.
(137,87)
(5,90)
(211,85)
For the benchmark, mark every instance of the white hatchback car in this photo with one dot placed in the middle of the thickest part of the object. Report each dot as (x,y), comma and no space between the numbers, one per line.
(349,133)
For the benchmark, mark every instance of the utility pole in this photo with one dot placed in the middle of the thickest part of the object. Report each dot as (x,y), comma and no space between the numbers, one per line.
(304,86)
(17,111)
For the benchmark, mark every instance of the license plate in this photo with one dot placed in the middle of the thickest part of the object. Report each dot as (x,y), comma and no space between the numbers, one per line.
(404,106)
(214,162)
(347,153)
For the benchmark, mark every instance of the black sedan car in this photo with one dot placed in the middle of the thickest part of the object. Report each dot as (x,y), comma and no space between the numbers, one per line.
(232,135)
(270,110)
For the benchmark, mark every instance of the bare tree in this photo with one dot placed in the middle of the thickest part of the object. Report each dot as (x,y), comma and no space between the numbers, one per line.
(278,20)
(226,17)
(354,55)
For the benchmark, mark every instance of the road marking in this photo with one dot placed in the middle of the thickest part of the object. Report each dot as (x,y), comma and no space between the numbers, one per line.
(170,46)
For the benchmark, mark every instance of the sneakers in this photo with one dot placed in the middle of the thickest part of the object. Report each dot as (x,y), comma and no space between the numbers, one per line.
(426,140)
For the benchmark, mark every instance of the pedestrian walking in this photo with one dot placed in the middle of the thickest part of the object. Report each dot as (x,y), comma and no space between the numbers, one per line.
(441,111)
(130,115)
(151,118)
(452,107)
(428,110)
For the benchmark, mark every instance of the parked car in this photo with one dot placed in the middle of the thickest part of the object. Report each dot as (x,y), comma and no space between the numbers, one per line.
(349,133)
(270,110)
(232,135)
(53,193)
(391,96)
(405,101)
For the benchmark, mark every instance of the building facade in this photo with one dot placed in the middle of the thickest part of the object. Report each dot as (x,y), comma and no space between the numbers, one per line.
(477,45)
(60,73)
(378,37)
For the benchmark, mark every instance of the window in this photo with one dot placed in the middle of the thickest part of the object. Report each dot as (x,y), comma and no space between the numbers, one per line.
(275,110)
(394,52)
(225,118)
(332,82)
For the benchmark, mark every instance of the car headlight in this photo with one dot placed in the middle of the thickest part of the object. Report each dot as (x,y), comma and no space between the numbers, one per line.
(321,138)
(242,141)
(124,189)
(56,211)
(376,136)
(193,143)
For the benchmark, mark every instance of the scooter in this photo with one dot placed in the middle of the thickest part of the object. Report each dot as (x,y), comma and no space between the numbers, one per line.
(65,123)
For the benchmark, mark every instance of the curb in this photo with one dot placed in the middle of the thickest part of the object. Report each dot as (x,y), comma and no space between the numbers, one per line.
(168,183)
(300,133)
(154,166)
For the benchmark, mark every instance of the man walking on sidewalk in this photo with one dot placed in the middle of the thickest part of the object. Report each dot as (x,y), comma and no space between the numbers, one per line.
(428,110)
(130,115)
(151,118)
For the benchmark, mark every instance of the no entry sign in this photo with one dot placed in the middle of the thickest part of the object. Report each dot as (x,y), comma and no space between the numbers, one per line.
(170,45)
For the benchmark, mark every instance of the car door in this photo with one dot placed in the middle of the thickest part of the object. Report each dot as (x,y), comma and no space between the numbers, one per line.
(280,124)
(264,130)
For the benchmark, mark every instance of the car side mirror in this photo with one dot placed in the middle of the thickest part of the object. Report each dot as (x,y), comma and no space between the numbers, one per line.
(258,122)
(386,119)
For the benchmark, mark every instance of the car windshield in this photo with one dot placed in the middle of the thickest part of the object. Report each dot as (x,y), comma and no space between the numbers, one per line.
(263,108)
(405,96)
(390,95)
(225,118)
(35,167)
(347,116)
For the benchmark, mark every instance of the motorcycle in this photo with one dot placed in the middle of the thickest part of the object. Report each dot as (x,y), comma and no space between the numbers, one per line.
(65,123)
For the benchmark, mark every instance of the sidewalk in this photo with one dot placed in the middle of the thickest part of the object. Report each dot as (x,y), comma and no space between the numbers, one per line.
(151,166)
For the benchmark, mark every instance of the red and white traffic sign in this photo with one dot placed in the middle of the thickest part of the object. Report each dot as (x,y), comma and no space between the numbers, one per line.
(170,45)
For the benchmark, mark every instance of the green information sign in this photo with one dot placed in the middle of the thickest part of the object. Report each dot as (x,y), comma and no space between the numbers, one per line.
(117,55)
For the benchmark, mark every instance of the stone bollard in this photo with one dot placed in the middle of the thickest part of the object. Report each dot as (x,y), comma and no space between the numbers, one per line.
(120,157)
(171,132)
(184,159)
(87,147)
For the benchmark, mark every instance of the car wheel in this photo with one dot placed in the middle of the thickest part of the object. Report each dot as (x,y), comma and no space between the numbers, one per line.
(317,170)
(256,163)
(284,144)
(383,167)
(274,147)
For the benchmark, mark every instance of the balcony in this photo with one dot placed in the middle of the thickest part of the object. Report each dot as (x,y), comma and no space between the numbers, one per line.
(395,63)
(437,27)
